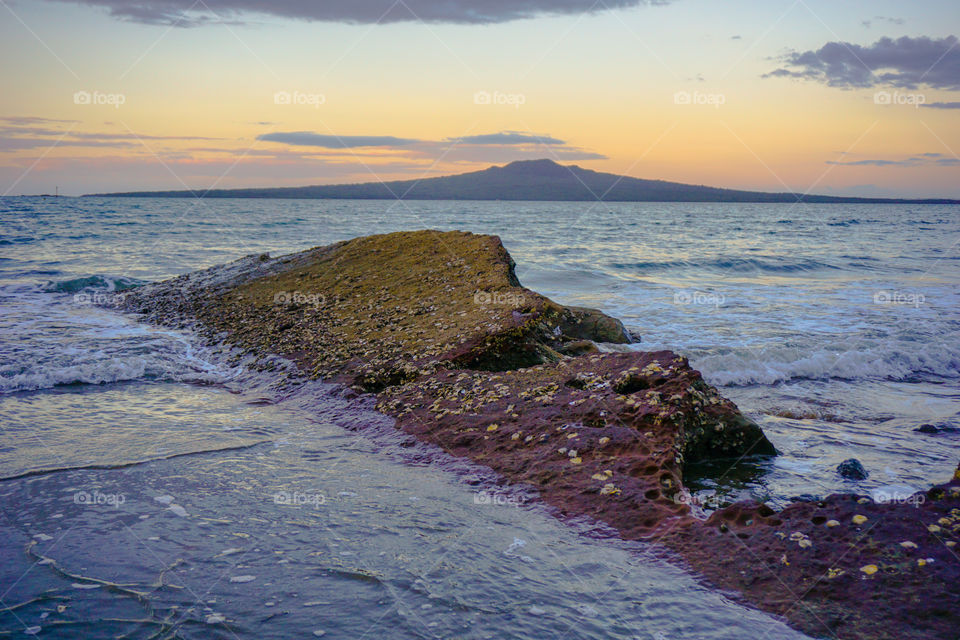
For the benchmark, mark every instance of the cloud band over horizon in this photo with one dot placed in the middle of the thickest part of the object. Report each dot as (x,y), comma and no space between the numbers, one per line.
(189,13)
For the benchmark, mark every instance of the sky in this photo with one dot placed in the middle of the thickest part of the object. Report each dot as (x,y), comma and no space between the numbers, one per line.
(860,97)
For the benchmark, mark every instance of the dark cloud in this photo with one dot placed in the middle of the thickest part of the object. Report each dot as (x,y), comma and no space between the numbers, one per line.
(310,139)
(942,105)
(508,137)
(905,62)
(189,13)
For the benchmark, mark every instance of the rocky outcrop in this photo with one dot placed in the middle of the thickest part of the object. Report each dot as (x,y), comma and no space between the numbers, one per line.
(438,327)
(380,310)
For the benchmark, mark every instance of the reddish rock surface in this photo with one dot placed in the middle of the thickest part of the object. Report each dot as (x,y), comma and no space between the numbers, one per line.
(844,566)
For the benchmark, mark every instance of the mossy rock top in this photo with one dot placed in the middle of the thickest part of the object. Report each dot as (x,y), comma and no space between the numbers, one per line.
(377,310)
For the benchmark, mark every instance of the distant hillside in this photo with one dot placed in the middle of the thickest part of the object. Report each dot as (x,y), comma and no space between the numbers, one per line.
(523,180)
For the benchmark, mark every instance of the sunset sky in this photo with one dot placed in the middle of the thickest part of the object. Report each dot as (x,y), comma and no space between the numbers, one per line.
(860,97)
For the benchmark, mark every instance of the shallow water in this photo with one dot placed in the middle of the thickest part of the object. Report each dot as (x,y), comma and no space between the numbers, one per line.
(318,528)
(834,326)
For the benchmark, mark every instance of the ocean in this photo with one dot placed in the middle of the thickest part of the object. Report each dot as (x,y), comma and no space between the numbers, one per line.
(154,487)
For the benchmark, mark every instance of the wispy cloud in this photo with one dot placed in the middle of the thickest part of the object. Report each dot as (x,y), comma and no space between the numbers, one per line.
(884,20)
(189,13)
(32,132)
(25,120)
(905,62)
(942,105)
(509,137)
(310,139)
(917,160)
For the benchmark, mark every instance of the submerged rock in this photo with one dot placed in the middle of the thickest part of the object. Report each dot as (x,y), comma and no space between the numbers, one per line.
(940,427)
(852,469)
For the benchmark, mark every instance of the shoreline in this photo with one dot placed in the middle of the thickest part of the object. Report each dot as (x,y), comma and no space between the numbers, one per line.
(427,346)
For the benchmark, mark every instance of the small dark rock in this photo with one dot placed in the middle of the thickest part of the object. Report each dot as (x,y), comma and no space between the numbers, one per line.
(937,428)
(581,323)
(851,469)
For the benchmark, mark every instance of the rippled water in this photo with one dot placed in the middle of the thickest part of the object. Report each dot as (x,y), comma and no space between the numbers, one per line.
(168,492)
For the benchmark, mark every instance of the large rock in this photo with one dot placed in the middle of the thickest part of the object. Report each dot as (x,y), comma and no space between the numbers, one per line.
(462,355)
(376,311)
(438,327)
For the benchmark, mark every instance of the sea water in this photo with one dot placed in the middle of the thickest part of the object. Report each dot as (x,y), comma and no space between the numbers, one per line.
(154,487)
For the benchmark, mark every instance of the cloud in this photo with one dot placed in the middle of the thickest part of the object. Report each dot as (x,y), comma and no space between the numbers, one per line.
(916,160)
(496,154)
(300,157)
(310,139)
(884,19)
(19,143)
(185,13)
(504,146)
(905,62)
(508,137)
(25,120)
(31,132)
(942,105)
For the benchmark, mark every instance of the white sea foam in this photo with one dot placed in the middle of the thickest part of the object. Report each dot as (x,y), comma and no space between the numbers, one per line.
(899,361)
(48,340)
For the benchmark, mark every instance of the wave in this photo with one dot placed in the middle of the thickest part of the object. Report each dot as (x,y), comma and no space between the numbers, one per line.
(843,223)
(133,463)
(773,366)
(771,264)
(11,240)
(106,283)
(105,370)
